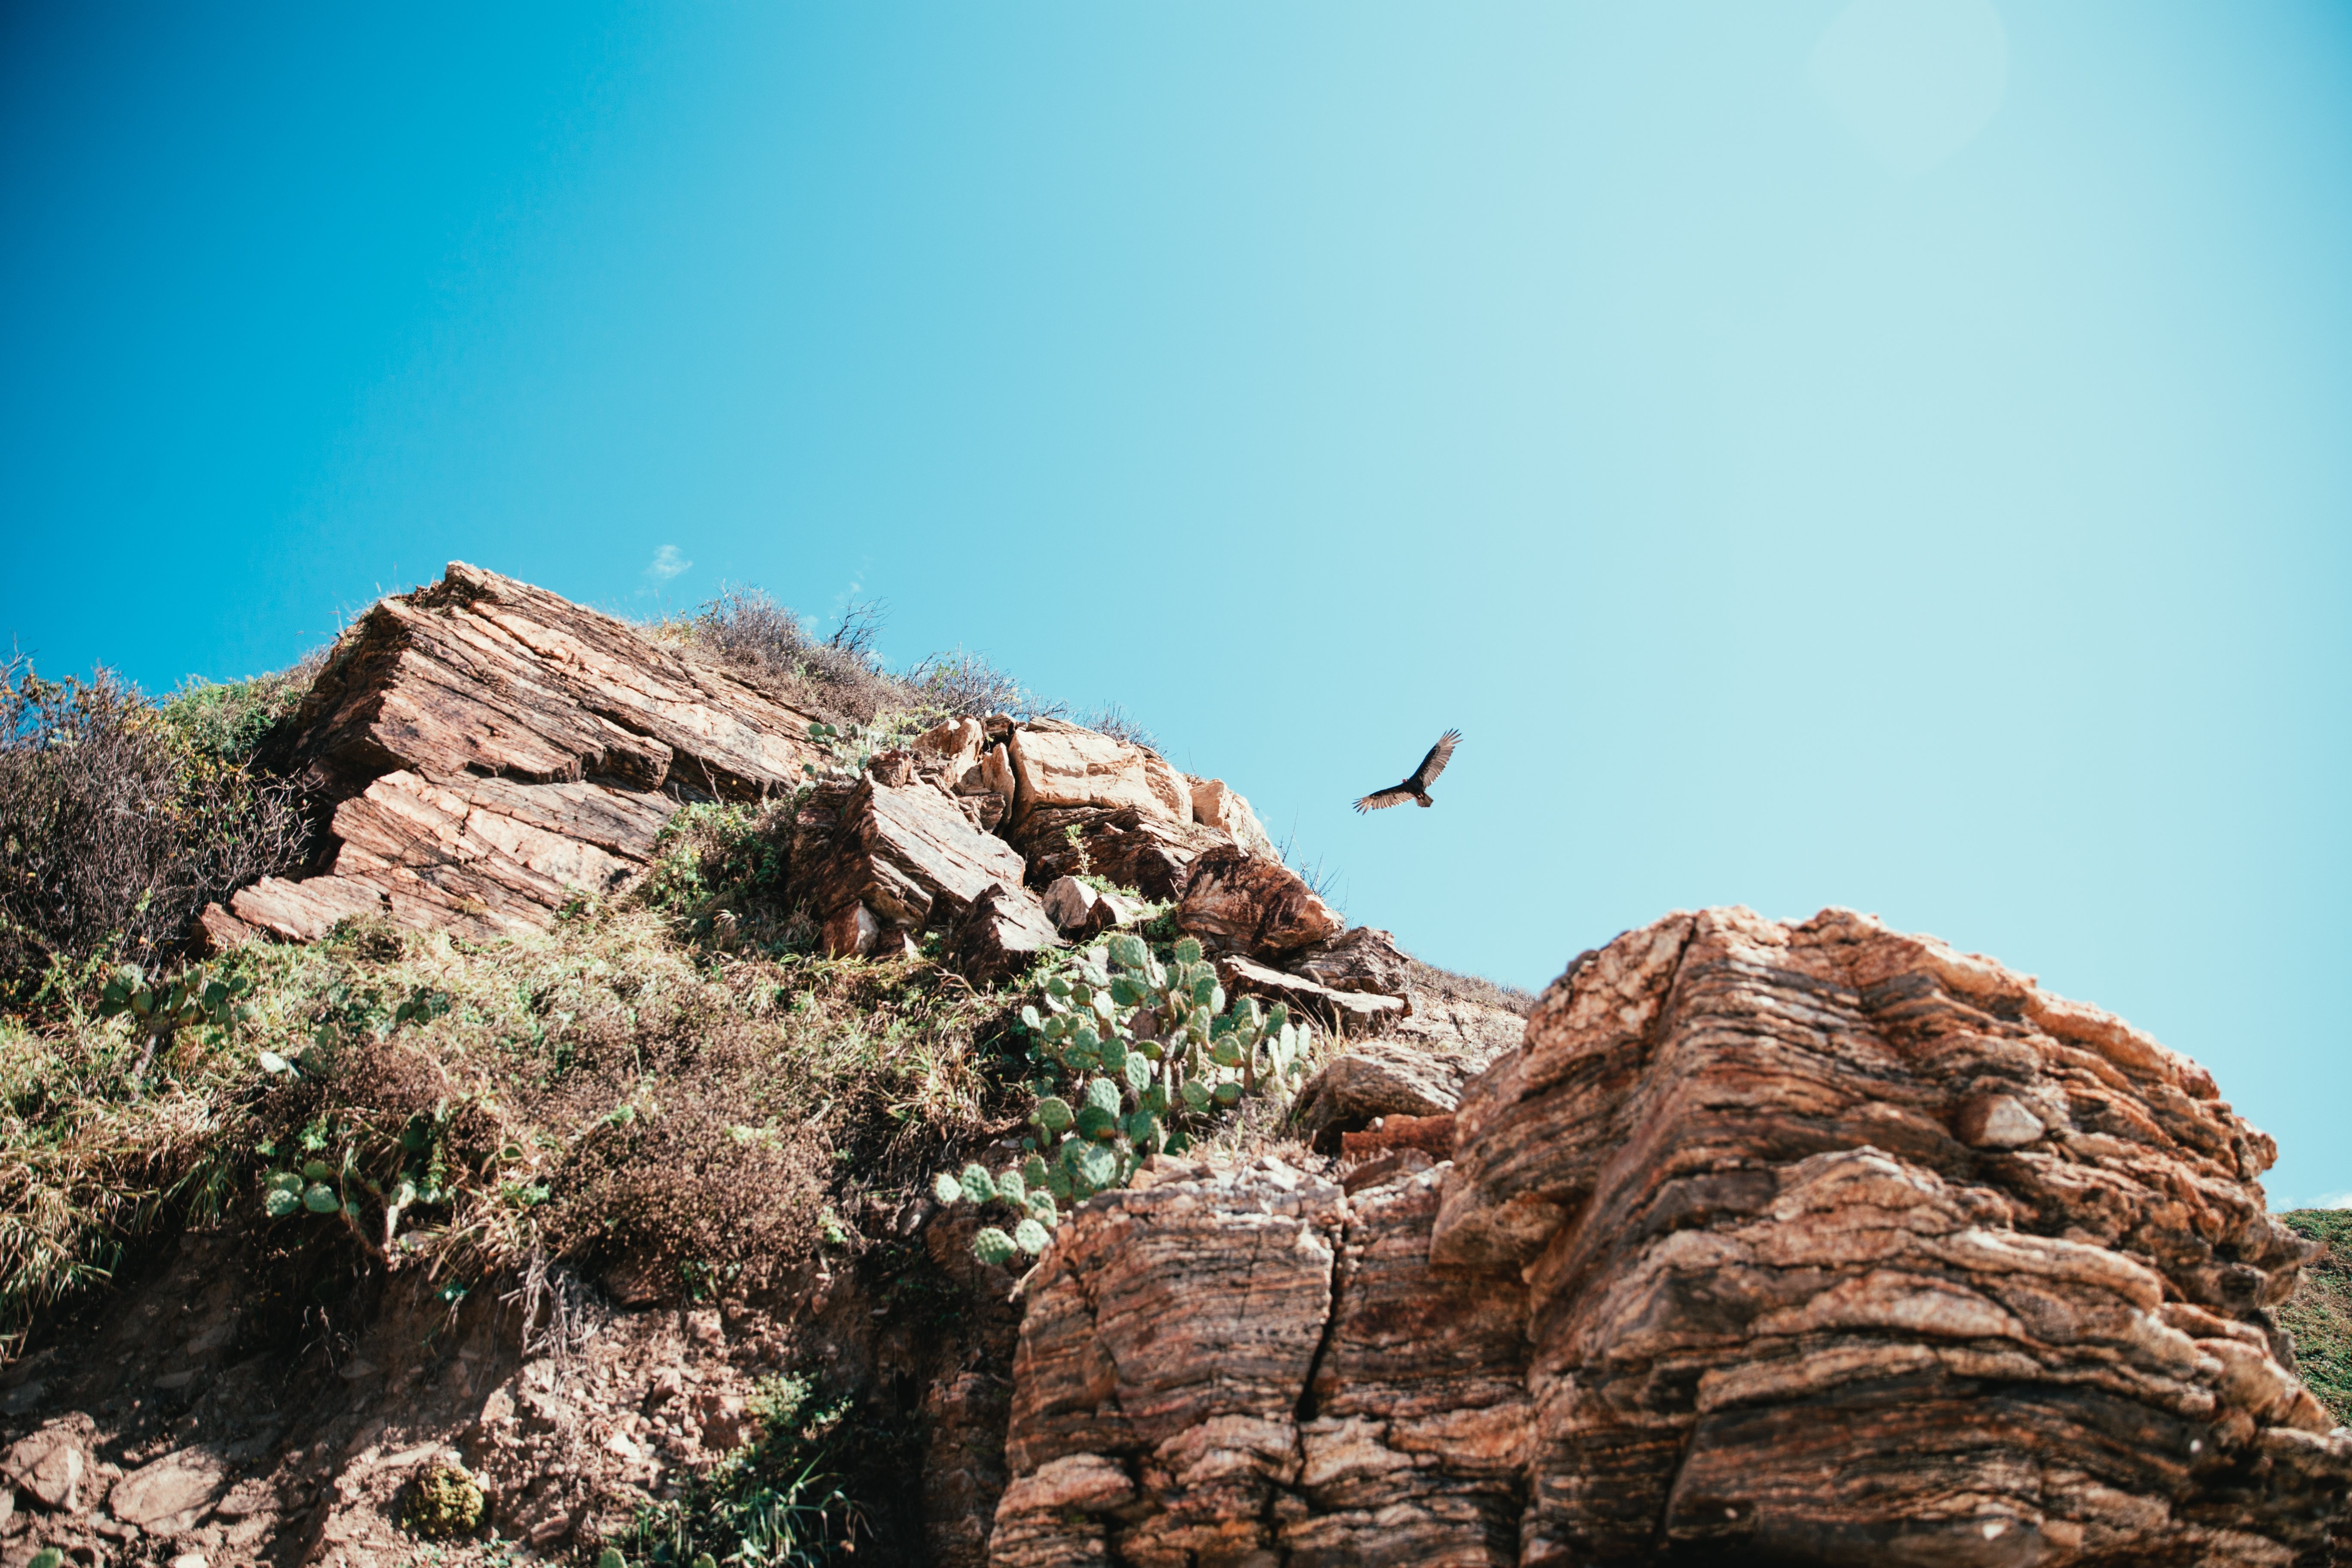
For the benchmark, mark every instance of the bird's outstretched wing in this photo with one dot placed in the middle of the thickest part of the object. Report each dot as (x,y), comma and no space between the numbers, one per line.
(1434,764)
(1396,795)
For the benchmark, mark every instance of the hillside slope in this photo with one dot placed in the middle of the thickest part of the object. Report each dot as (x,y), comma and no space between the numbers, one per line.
(553,1125)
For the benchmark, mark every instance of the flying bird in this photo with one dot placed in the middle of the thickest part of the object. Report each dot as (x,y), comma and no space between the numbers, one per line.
(1416,788)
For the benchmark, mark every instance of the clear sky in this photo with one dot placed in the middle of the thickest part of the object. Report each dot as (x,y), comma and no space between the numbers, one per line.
(1894,455)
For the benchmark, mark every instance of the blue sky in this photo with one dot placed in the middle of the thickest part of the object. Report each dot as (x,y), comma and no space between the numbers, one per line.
(1890,455)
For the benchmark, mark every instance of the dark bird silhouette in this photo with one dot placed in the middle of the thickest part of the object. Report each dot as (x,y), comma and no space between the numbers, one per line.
(1416,788)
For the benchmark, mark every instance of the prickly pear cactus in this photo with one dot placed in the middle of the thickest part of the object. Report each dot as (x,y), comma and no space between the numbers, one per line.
(1137,1051)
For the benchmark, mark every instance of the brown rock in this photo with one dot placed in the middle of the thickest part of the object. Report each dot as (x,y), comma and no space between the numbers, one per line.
(1131,848)
(1342,1012)
(307,910)
(1216,805)
(1778,1308)
(1239,902)
(907,855)
(1385,1077)
(1080,911)
(49,1465)
(1002,933)
(1171,1329)
(1710,1278)
(1417,1442)
(1434,1135)
(496,750)
(1362,959)
(487,857)
(1062,764)
(481,674)
(168,1496)
(215,931)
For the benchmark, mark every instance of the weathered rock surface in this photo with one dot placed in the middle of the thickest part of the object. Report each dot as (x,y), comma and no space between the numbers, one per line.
(1238,902)
(496,750)
(1169,1338)
(481,674)
(1343,1012)
(1394,1075)
(1362,959)
(1079,910)
(909,855)
(49,1465)
(1139,849)
(1002,933)
(169,1494)
(1063,765)
(1748,1254)
(1217,805)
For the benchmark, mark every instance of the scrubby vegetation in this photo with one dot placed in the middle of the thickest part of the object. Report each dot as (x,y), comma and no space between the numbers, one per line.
(840,672)
(119,821)
(668,1093)
(2320,1315)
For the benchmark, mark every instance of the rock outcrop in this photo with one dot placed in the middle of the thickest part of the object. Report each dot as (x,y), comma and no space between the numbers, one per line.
(490,751)
(496,750)
(1771,1243)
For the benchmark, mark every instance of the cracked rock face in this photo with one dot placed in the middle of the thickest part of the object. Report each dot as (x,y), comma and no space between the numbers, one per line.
(496,750)
(1801,1244)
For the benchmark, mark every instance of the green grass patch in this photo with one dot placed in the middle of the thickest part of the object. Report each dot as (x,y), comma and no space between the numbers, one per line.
(2320,1313)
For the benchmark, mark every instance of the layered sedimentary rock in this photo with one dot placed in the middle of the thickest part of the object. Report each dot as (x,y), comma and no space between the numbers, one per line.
(490,752)
(1240,902)
(496,750)
(1772,1243)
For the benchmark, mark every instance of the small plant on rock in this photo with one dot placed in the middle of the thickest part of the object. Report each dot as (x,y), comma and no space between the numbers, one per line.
(1136,1049)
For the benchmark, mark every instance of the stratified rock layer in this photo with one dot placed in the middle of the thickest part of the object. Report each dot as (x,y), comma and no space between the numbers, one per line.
(497,751)
(1772,1243)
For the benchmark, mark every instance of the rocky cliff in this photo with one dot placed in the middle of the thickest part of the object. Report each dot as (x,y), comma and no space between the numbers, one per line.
(1794,1243)
(1753,1242)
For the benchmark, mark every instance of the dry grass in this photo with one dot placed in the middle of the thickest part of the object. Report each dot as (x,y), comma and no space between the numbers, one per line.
(1430,980)
(603,1094)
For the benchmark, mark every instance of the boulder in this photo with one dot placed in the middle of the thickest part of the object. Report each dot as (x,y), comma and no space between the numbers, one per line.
(906,854)
(215,931)
(1214,804)
(1132,848)
(493,750)
(481,674)
(487,857)
(1342,1012)
(1796,1243)
(1362,959)
(1002,933)
(1080,911)
(168,1496)
(1238,902)
(307,910)
(1063,765)
(49,1465)
(1395,1076)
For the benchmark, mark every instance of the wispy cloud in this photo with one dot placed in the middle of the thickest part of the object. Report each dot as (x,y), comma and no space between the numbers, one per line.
(2334,1200)
(666,564)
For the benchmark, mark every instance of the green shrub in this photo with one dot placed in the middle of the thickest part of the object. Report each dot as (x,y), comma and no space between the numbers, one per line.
(231,719)
(115,829)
